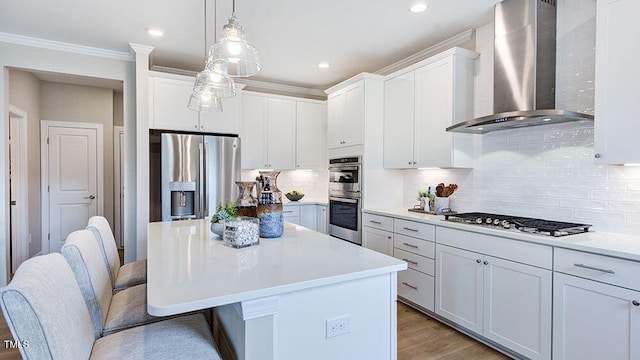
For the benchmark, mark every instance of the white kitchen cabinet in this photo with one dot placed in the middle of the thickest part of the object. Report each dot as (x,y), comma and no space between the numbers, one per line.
(421,101)
(308,216)
(596,307)
(168,108)
(321,219)
(346,116)
(504,301)
(311,129)
(616,82)
(377,240)
(268,132)
(398,122)
(291,213)
(349,104)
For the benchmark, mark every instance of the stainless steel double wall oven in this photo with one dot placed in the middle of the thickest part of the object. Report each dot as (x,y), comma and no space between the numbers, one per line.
(345,198)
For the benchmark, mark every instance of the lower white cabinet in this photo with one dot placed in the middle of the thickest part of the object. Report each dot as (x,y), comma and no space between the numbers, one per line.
(321,219)
(378,240)
(504,301)
(311,216)
(592,317)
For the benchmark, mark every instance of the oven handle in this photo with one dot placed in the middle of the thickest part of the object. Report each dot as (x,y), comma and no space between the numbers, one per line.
(344,168)
(351,201)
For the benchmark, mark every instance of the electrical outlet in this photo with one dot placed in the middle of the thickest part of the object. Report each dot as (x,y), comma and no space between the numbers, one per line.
(339,326)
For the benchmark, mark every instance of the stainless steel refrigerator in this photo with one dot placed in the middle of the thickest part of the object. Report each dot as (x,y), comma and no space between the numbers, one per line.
(196,172)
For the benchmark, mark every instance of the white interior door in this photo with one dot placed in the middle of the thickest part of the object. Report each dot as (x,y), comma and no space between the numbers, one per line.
(18,188)
(72,174)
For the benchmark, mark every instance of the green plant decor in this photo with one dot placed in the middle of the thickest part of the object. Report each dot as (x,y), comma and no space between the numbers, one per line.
(225,210)
(422,194)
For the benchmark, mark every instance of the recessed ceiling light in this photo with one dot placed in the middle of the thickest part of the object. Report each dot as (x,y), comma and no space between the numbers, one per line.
(155,32)
(323,65)
(418,8)
(480,128)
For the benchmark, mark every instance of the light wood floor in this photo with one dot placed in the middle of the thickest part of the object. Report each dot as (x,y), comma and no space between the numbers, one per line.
(419,338)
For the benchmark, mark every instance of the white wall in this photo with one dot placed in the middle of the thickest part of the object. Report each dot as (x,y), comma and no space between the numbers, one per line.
(546,171)
(24,92)
(102,64)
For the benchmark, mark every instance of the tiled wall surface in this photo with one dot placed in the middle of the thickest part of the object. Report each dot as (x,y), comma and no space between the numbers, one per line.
(547,171)
(312,183)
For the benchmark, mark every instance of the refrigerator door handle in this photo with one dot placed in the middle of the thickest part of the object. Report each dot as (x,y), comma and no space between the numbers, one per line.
(204,184)
(201,182)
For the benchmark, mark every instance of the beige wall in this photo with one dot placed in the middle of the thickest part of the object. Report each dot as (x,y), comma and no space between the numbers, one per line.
(74,103)
(24,93)
(118,109)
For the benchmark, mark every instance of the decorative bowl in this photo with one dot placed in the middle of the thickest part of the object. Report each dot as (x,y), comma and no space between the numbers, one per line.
(294,196)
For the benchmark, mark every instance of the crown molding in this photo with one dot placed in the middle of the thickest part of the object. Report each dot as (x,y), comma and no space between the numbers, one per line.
(428,52)
(66,47)
(263,85)
(142,49)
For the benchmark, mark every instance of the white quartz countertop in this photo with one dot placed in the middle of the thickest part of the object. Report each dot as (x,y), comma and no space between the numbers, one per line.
(189,268)
(604,243)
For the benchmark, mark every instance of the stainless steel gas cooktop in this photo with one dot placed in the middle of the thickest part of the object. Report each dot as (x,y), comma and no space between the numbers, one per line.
(524,224)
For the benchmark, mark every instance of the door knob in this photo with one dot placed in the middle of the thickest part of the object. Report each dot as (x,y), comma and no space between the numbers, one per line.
(635,303)
(91,197)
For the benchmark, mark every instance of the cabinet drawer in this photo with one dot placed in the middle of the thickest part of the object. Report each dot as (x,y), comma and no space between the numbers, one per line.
(378,222)
(413,245)
(415,229)
(605,269)
(417,287)
(291,211)
(416,262)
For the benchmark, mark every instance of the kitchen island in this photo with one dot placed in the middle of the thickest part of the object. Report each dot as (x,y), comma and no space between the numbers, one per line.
(286,298)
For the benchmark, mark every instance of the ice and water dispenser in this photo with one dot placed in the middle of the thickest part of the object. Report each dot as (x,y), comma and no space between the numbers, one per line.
(183,199)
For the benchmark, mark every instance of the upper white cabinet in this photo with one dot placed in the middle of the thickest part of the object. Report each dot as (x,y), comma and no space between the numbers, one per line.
(347,110)
(169,96)
(616,83)
(281,132)
(421,101)
(311,130)
(268,132)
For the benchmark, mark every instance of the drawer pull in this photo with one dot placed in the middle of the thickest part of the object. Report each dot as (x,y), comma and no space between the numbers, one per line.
(409,285)
(410,245)
(375,222)
(410,229)
(287,212)
(635,303)
(594,268)
(410,261)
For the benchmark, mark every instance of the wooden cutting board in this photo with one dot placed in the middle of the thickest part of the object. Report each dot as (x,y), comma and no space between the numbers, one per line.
(430,212)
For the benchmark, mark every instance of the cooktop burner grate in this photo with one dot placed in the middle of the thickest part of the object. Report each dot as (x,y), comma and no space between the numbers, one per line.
(531,225)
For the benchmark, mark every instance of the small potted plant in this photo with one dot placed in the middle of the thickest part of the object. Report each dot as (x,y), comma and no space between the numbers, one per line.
(226,210)
(423,197)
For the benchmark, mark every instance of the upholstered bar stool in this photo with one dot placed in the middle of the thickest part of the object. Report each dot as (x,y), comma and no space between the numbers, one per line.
(44,306)
(109,312)
(122,277)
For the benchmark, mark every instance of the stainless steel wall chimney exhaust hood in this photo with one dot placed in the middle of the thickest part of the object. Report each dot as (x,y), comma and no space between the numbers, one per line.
(524,70)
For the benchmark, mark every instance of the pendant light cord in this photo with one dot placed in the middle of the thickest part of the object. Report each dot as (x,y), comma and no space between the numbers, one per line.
(205,30)
(233,7)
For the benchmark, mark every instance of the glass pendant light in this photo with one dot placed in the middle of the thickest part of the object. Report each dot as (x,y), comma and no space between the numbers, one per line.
(205,101)
(211,84)
(240,57)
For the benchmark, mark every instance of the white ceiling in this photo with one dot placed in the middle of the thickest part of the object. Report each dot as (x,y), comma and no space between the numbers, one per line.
(292,37)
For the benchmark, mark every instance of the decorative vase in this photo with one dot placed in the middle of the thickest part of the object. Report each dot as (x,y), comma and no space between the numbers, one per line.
(246,202)
(269,208)
(423,204)
(217,228)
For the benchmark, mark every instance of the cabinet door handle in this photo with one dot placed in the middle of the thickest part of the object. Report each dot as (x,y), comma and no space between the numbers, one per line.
(597,155)
(608,271)
(375,222)
(410,229)
(410,261)
(486,262)
(410,245)
(478,261)
(635,303)
(409,285)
